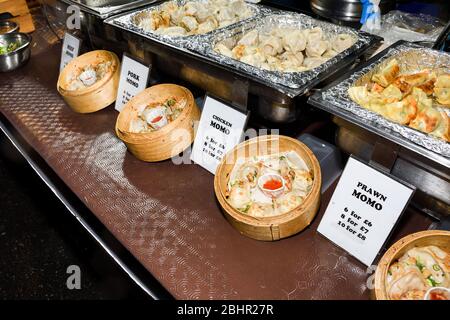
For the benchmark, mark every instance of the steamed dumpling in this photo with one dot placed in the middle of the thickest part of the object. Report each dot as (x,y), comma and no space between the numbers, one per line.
(294,41)
(271,46)
(316,48)
(314,62)
(342,42)
(224,50)
(250,39)
(189,23)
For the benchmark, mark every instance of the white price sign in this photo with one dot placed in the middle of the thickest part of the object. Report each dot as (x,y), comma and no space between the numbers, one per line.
(363,210)
(133,79)
(220,129)
(70,50)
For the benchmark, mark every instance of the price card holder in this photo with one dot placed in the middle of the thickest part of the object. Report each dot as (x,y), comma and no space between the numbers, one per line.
(70,50)
(134,76)
(364,210)
(221,127)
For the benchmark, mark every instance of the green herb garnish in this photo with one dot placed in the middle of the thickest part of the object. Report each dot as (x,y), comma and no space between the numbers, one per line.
(436,267)
(432,282)
(420,265)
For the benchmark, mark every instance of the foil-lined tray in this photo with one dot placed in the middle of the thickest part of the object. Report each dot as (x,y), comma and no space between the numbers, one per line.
(191,42)
(296,80)
(411,58)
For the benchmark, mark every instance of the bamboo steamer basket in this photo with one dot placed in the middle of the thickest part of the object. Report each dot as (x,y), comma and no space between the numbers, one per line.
(437,238)
(277,227)
(98,96)
(168,141)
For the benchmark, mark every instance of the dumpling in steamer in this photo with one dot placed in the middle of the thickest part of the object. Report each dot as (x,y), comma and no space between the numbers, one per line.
(409,286)
(239,196)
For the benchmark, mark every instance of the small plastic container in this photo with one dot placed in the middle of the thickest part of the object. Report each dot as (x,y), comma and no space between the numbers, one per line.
(329,158)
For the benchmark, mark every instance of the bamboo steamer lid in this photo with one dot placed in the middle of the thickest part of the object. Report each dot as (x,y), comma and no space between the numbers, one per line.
(277,227)
(98,96)
(437,238)
(168,141)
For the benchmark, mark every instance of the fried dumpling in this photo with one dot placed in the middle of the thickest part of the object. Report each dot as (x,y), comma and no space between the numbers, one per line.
(294,41)
(342,42)
(392,94)
(421,98)
(387,75)
(442,131)
(426,120)
(402,111)
(442,90)
(443,81)
(360,95)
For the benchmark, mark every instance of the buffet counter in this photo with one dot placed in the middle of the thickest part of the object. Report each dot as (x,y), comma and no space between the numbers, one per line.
(166,215)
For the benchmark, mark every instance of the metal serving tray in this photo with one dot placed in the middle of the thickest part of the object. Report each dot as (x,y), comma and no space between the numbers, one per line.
(201,47)
(334,99)
(301,81)
(108,8)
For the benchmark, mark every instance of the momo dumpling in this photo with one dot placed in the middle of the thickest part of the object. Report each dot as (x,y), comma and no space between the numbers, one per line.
(330,53)
(388,74)
(316,48)
(314,34)
(241,51)
(409,286)
(172,31)
(207,26)
(295,59)
(240,196)
(224,50)
(342,42)
(294,41)
(189,23)
(313,62)
(250,39)
(271,46)
(256,59)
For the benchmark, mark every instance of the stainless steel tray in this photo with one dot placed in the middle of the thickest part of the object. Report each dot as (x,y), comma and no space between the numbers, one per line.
(125,21)
(200,47)
(334,99)
(296,80)
(107,8)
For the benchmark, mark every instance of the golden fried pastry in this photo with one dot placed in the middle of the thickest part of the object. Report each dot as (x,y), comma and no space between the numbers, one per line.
(392,94)
(443,129)
(388,74)
(442,90)
(426,120)
(402,111)
(421,98)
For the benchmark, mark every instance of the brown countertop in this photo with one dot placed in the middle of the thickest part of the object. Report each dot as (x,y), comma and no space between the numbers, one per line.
(167,215)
